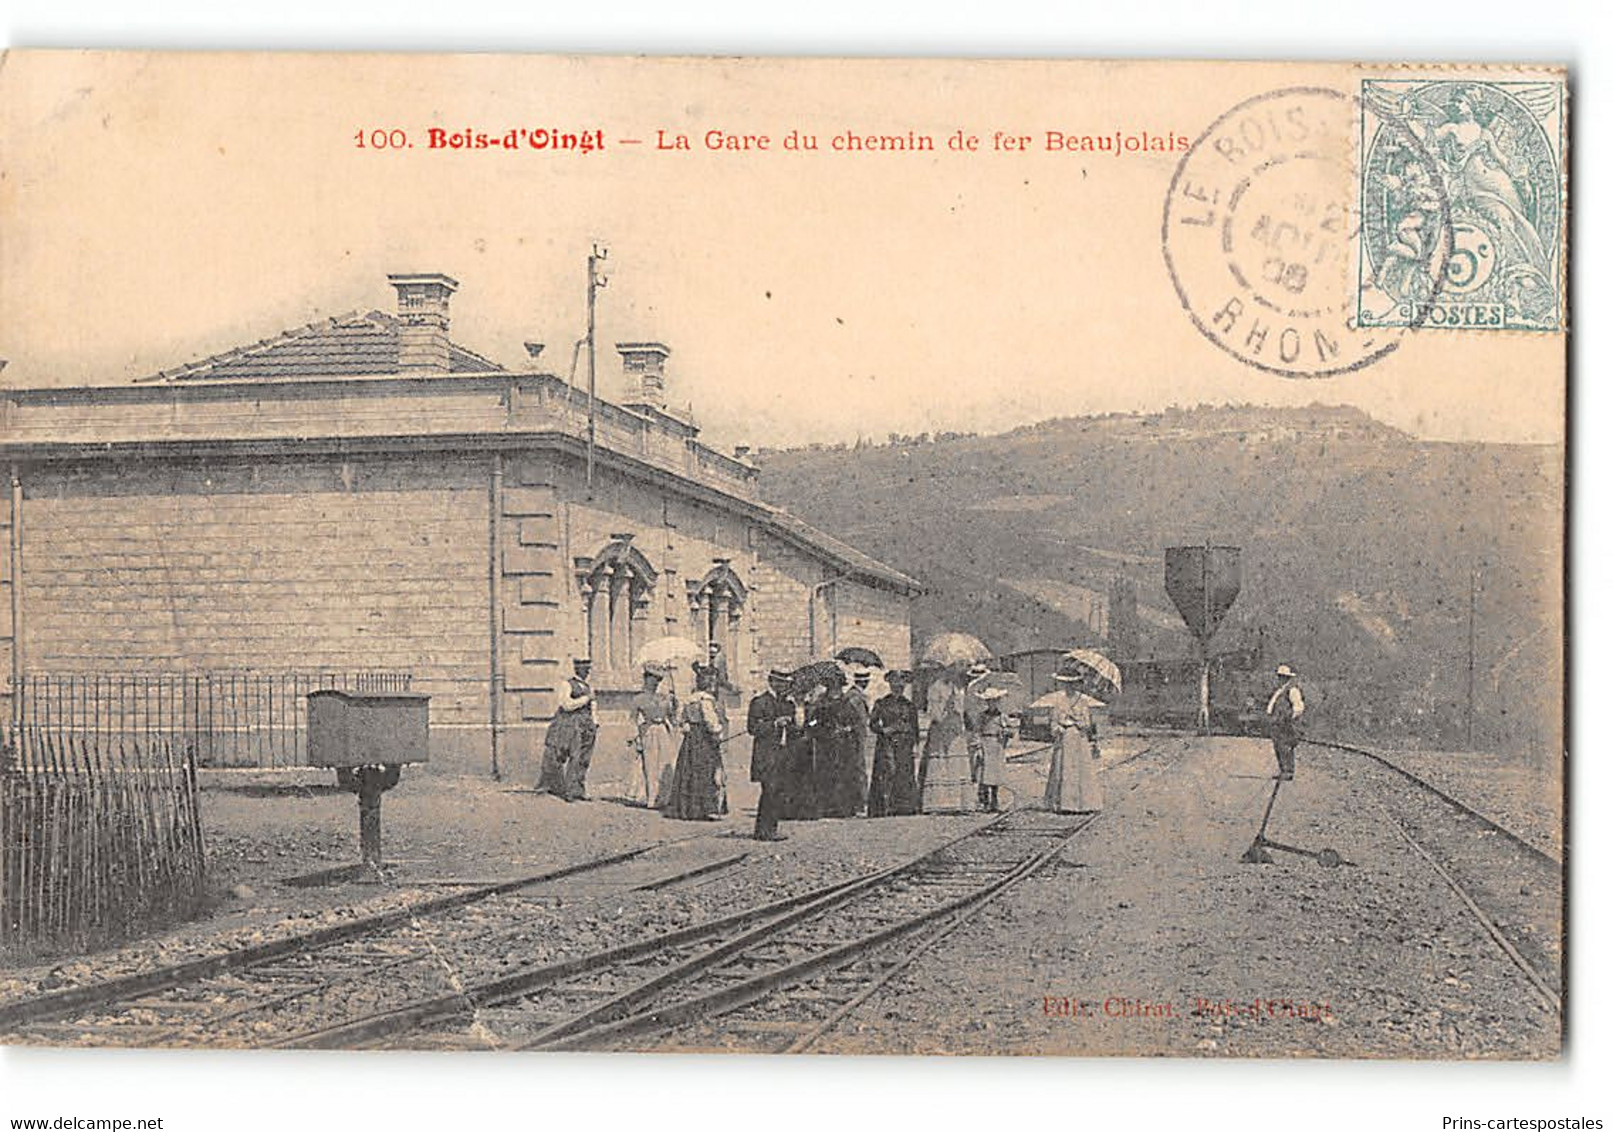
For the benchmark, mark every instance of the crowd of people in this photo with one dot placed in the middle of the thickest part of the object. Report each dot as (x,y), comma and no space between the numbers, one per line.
(820,749)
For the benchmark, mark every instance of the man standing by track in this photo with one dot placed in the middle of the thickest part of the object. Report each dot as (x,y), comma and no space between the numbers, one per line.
(1283,712)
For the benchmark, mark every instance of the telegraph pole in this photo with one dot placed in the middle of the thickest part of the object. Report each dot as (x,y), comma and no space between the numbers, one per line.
(595,282)
(1204,644)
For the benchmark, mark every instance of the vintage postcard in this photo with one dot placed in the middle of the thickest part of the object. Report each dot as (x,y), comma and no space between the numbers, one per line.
(799,556)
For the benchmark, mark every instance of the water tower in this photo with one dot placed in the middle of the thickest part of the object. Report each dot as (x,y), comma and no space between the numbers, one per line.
(1203,582)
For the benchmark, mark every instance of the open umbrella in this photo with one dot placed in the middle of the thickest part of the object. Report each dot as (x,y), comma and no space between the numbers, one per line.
(1097,664)
(859,657)
(1014,693)
(809,676)
(954,648)
(670,653)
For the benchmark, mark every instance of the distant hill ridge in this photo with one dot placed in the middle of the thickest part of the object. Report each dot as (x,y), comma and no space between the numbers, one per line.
(1360,545)
(1340,422)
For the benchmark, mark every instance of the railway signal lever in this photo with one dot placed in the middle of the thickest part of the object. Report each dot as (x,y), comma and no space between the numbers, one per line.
(1259,853)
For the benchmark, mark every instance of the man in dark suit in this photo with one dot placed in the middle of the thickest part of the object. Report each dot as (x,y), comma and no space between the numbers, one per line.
(768,721)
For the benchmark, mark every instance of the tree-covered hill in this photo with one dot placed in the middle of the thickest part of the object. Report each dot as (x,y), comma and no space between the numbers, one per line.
(1361,544)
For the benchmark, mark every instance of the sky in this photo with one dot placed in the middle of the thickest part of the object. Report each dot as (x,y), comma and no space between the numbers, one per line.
(161,208)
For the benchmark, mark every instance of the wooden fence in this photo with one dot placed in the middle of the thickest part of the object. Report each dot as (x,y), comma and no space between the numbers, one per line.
(100,837)
(100,834)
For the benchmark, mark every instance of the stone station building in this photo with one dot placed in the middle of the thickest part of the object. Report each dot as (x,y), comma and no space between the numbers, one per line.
(364,493)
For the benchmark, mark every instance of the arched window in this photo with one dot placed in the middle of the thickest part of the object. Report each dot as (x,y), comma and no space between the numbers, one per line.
(717,604)
(616,585)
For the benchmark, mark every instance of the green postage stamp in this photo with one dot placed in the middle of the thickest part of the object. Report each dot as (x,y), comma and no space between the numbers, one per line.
(1462,204)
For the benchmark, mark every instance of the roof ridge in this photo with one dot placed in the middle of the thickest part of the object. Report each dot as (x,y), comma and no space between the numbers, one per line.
(468,352)
(237,353)
(860,561)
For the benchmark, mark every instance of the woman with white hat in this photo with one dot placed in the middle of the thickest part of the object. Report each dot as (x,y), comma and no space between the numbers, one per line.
(655,721)
(1073,785)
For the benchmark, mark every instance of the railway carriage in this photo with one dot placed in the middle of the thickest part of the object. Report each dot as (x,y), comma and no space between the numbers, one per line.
(1164,692)
(1158,692)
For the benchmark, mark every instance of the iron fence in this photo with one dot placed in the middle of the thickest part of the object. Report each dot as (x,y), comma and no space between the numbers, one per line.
(228,719)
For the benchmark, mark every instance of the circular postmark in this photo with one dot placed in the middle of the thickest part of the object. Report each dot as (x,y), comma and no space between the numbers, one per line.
(1261,231)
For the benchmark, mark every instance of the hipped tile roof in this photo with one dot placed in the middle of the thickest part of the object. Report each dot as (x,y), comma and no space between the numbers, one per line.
(345,345)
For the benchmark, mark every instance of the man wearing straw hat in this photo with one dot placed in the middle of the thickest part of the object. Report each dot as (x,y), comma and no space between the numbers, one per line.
(1283,712)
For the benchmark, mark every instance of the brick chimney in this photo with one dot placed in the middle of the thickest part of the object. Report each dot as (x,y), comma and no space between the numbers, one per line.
(423,318)
(644,366)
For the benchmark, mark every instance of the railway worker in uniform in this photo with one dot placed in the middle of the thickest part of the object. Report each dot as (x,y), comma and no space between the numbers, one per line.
(948,785)
(836,730)
(655,721)
(768,721)
(1073,785)
(699,791)
(568,745)
(894,723)
(1283,712)
(991,736)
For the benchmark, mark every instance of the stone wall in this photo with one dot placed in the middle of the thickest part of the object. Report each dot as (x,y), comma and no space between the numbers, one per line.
(268,565)
(384,561)
(875,618)
(554,530)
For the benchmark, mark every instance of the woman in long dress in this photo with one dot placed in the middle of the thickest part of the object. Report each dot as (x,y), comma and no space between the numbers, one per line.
(948,785)
(837,752)
(1073,785)
(655,718)
(895,725)
(698,791)
(799,775)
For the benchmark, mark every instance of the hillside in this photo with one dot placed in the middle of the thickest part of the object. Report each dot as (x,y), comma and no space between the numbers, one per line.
(1359,541)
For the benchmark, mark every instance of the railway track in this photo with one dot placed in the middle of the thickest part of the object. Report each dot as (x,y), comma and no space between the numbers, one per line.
(410,978)
(1512,887)
(1482,820)
(220,993)
(799,959)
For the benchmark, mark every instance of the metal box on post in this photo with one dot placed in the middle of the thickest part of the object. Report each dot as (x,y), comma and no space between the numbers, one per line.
(367,738)
(349,729)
